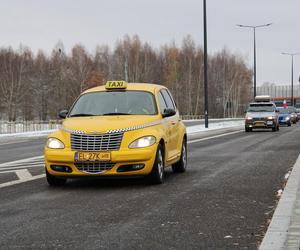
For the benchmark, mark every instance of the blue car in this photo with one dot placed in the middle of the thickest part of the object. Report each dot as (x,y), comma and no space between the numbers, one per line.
(284,117)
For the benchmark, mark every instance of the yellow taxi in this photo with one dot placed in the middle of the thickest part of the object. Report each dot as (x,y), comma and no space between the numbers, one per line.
(119,129)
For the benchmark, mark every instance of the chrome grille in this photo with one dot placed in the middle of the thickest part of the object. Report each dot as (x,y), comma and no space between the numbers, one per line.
(101,142)
(94,167)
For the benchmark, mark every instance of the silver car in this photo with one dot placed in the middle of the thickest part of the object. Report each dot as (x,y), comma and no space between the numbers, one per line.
(261,115)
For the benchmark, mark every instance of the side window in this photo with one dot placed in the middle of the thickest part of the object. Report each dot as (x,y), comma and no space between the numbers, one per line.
(174,103)
(162,103)
(169,101)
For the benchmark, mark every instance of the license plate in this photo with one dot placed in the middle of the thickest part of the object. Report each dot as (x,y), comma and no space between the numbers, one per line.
(269,122)
(92,156)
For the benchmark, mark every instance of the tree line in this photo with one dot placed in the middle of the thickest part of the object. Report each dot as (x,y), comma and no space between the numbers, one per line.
(37,87)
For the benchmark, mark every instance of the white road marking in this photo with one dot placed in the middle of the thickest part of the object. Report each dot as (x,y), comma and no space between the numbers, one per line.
(213,137)
(20,168)
(11,183)
(6,164)
(3,170)
(23,174)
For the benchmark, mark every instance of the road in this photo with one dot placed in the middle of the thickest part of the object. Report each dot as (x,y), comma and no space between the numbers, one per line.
(223,201)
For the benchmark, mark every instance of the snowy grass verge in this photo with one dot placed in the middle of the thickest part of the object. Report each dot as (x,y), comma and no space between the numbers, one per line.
(28,134)
(214,126)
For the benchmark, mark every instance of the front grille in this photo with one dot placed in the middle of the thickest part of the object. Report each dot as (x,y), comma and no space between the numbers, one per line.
(101,142)
(259,119)
(94,167)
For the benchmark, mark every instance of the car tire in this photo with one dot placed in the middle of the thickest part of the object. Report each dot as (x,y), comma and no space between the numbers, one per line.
(157,174)
(55,181)
(248,129)
(277,127)
(289,124)
(180,166)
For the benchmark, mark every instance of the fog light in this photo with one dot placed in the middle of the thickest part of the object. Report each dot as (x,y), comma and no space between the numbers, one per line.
(128,168)
(58,168)
(137,166)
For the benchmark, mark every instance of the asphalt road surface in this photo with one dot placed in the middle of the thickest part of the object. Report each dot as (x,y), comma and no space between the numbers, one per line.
(224,201)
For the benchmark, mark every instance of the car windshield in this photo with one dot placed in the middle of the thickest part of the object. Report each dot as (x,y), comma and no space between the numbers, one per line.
(260,107)
(114,103)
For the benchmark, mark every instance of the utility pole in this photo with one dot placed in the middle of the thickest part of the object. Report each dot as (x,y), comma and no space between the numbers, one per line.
(292,75)
(205,66)
(254,50)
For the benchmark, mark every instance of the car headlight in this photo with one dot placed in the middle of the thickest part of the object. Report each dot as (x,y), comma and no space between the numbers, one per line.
(143,142)
(249,118)
(55,143)
(271,117)
(287,118)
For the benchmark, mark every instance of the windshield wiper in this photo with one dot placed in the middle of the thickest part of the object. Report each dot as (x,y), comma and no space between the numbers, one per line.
(116,114)
(81,114)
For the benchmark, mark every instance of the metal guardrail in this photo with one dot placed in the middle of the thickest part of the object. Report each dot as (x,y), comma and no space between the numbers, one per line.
(28,126)
(192,117)
(201,117)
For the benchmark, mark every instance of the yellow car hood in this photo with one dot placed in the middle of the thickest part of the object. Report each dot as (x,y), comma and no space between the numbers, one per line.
(107,124)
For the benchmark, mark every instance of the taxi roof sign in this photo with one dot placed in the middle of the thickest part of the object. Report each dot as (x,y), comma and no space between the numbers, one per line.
(116,85)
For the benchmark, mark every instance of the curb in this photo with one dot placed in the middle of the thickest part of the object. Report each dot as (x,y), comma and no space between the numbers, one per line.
(277,233)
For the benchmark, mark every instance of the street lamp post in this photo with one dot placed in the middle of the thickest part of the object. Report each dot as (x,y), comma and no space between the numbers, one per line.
(292,76)
(254,50)
(205,65)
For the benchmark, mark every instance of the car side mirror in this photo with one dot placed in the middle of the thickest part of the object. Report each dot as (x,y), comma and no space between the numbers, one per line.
(63,114)
(168,112)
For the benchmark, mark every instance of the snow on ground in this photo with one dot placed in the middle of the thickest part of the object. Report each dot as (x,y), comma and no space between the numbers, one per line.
(190,129)
(214,126)
(28,134)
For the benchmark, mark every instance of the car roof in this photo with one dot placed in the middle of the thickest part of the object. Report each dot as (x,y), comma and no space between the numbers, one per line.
(131,86)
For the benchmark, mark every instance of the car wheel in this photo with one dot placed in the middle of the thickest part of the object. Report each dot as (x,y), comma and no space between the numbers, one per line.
(248,129)
(274,129)
(55,181)
(157,174)
(277,127)
(180,166)
(289,124)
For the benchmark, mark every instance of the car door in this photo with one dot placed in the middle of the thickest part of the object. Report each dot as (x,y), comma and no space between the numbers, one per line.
(173,125)
(165,124)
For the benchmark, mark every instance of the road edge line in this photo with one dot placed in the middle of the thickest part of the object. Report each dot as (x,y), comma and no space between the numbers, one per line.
(213,137)
(276,235)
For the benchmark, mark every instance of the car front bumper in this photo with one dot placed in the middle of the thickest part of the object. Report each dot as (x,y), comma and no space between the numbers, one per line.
(260,124)
(119,159)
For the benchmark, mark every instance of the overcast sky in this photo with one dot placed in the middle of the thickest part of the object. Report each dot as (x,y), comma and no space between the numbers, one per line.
(40,24)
